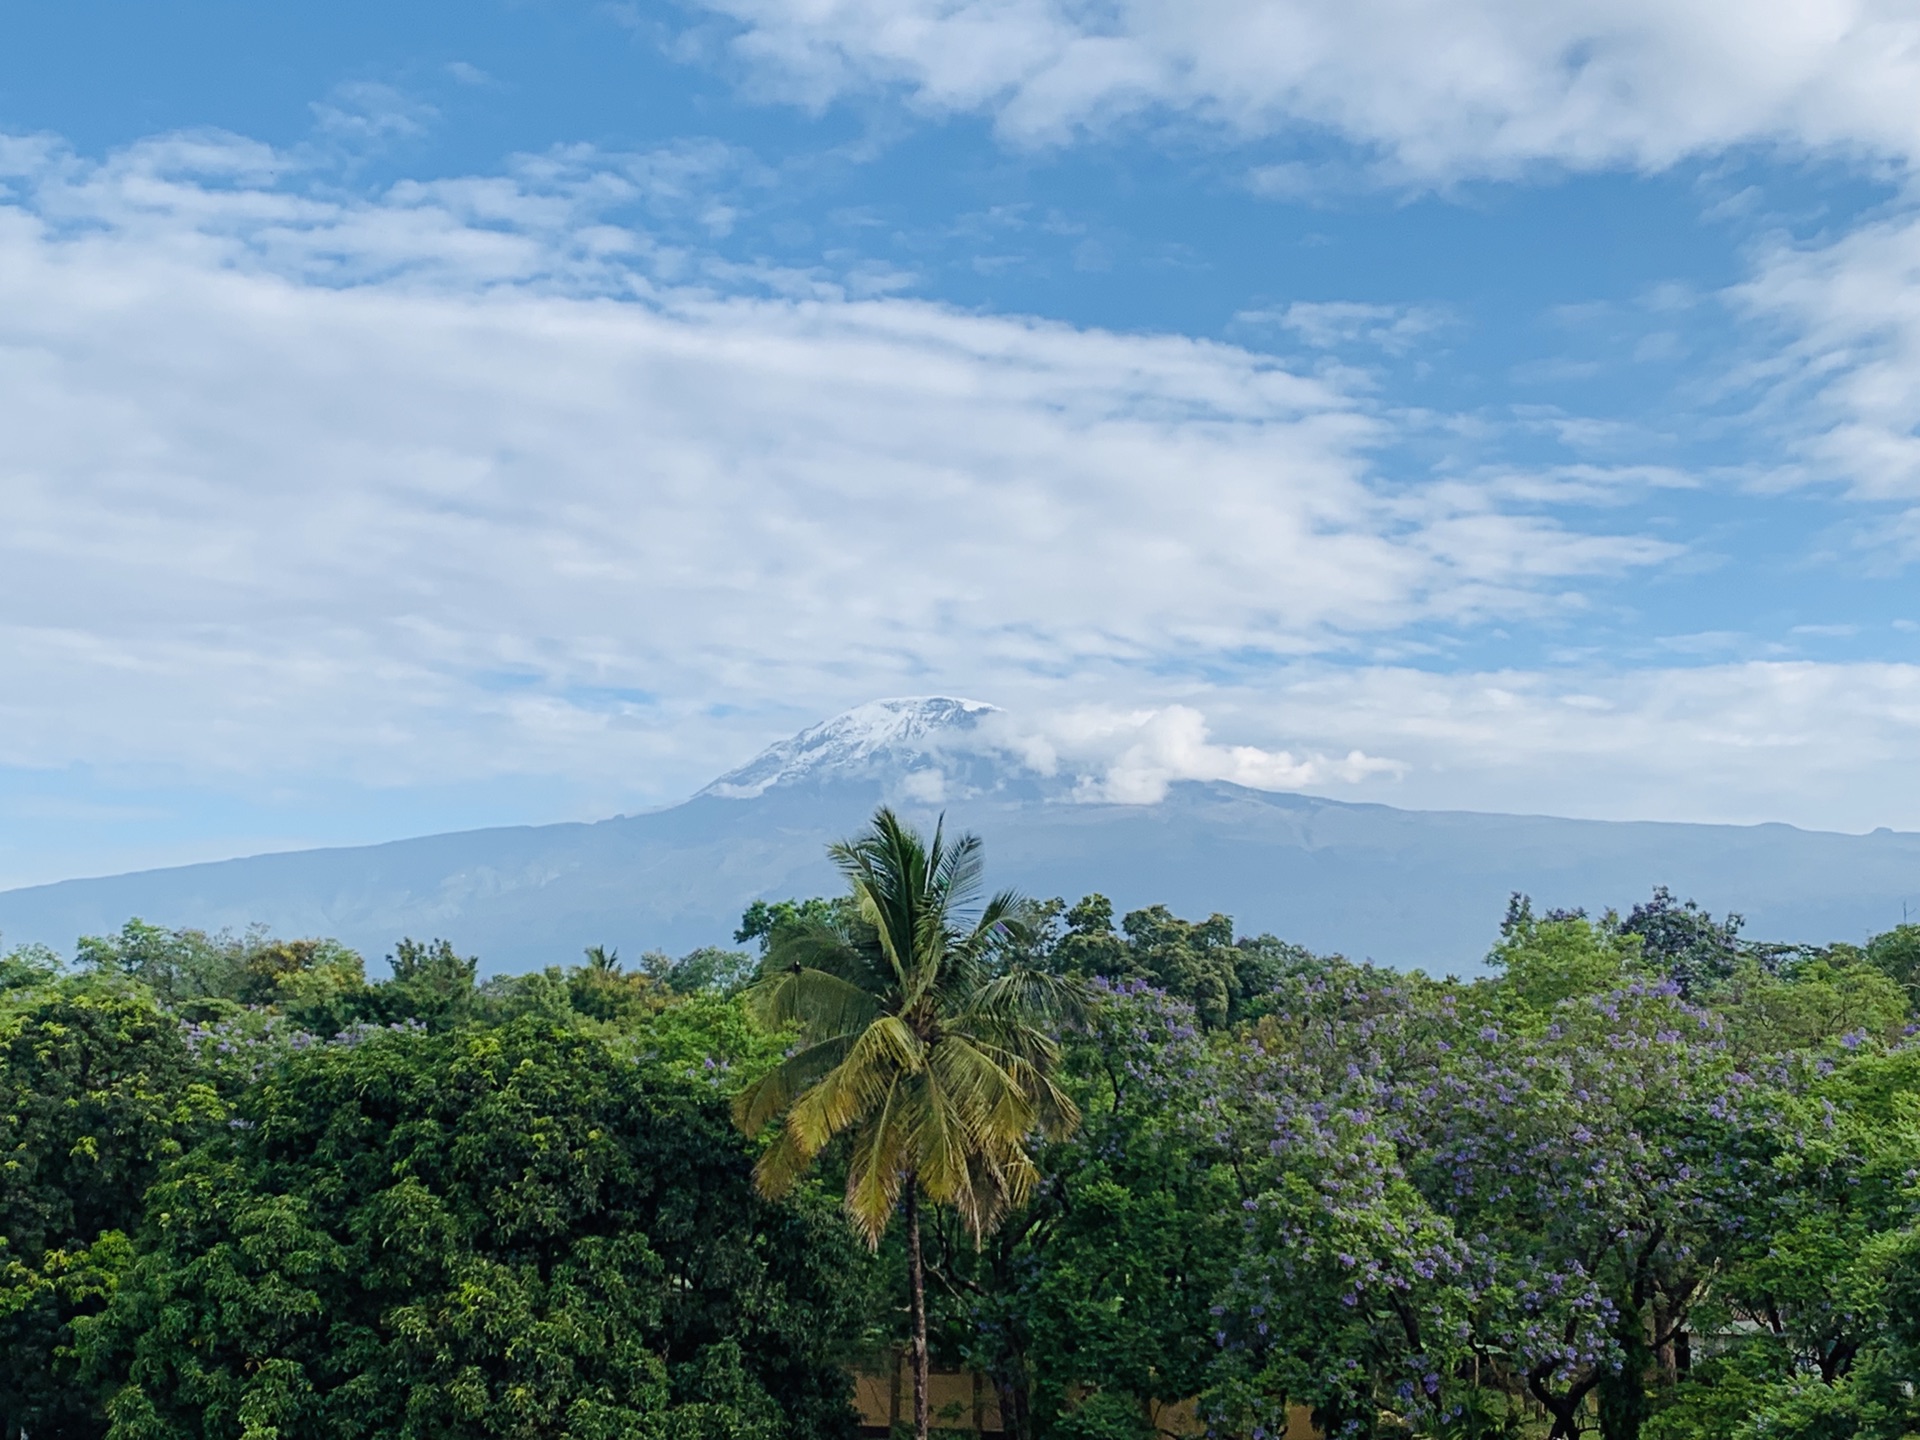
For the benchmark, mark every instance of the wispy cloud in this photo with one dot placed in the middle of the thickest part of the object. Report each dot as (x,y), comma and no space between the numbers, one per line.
(1480,87)
(469,74)
(367,114)
(1338,324)
(1844,371)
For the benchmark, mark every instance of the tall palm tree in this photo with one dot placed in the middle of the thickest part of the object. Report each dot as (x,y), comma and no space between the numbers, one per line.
(934,1060)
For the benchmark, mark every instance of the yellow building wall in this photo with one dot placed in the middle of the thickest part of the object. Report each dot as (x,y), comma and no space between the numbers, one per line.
(956,1400)
(961,1400)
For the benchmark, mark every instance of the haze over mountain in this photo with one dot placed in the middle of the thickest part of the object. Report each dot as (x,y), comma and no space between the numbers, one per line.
(1403,887)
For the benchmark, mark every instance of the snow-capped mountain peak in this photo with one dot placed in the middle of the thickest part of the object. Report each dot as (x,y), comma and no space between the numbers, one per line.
(881,737)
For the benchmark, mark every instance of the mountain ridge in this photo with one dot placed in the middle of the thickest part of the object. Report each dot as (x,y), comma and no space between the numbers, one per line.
(1406,887)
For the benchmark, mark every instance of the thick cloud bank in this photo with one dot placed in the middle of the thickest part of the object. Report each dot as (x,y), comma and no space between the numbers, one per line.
(468,480)
(456,481)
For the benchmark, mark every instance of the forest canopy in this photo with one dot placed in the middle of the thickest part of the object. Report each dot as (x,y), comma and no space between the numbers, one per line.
(1645,1176)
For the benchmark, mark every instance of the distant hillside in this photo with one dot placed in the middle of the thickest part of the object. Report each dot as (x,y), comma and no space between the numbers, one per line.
(1404,887)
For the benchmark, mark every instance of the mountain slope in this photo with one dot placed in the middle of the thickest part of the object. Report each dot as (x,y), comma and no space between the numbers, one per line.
(1405,887)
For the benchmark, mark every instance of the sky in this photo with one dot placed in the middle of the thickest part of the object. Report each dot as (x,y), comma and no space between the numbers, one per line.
(417,416)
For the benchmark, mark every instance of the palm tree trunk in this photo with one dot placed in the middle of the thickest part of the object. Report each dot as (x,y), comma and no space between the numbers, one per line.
(917,1283)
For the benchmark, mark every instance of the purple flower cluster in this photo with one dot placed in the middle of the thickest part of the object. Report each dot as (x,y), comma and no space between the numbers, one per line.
(1441,1189)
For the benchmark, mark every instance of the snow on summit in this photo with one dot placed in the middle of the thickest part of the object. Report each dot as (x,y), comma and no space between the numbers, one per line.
(881,734)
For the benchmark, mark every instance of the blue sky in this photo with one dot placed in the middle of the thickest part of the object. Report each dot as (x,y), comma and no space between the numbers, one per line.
(425,416)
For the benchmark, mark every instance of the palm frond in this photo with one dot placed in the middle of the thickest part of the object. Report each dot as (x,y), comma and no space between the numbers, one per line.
(772,1094)
(879,1165)
(1042,1105)
(988,1097)
(819,1003)
(1005,914)
(957,872)
(822,945)
(1054,1109)
(879,867)
(969,955)
(881,1053)
(941,1142)
(1031,997)
(780,1165)
(1003,1180)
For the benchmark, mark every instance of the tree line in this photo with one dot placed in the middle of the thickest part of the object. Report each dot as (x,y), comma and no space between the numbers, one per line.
(1644,1177)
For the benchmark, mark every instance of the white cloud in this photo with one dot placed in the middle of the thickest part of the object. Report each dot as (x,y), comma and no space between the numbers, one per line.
(1438,90)
(468,481)
(1847,371)
(1825,745)
(1130,757)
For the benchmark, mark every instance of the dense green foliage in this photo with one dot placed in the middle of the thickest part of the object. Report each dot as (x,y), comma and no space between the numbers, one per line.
(499,1232)
(510,1209)
(1647,1178)
(98,1090)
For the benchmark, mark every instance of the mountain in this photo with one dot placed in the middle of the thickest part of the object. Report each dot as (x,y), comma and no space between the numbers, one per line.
(903,741)
(1405,887)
